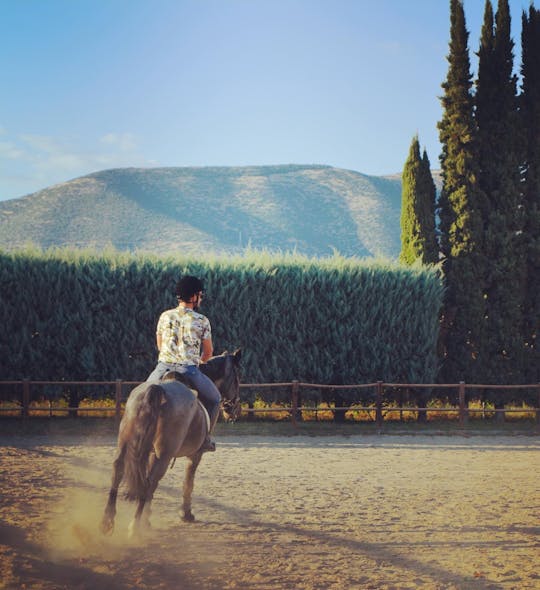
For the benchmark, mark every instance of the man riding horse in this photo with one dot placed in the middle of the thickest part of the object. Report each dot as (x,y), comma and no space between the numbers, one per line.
(184,339)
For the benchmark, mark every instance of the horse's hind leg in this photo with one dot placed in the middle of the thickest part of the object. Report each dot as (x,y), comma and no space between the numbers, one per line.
(156,471)
(189,479)
(107,522)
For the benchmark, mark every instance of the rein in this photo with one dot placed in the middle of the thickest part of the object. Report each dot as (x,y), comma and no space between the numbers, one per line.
(226,387)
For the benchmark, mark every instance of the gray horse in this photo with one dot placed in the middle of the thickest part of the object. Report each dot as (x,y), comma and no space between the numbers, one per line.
(164,420)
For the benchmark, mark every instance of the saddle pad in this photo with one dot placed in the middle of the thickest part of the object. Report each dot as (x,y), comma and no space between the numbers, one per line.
(206,414)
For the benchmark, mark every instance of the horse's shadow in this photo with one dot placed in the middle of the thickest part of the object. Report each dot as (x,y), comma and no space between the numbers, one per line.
(378,552)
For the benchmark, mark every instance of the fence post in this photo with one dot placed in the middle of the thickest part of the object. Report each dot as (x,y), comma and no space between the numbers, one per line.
(378,406)
(538,410)
(294,402)
(25,397)
(118,401)
(463,414)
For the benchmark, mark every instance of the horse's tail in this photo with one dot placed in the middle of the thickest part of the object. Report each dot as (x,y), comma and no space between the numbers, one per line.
(140,441)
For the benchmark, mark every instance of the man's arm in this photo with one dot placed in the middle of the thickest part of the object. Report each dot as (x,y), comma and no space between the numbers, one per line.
(207,349)
(159,330)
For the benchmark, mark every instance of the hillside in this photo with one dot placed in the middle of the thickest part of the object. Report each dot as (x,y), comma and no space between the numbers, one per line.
(312,209)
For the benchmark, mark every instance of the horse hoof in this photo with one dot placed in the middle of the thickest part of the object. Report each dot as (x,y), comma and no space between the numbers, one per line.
(133,532)
(188,517)
(107,528)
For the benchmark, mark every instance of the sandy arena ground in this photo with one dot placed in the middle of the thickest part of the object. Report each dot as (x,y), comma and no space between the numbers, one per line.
(357,512)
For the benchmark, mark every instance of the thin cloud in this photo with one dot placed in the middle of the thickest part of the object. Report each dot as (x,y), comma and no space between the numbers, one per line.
(10,151)
(41,143)
(124,141)
(48,160)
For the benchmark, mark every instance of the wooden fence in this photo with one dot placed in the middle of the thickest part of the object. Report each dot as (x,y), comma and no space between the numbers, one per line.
(295,408)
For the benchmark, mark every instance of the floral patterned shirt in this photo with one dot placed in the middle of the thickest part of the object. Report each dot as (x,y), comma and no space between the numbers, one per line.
(182,332)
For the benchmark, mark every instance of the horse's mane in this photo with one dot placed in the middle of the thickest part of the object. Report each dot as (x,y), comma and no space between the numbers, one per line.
(214,365)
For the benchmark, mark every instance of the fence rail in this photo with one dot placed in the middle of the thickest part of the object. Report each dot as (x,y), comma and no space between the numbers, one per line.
(295,408)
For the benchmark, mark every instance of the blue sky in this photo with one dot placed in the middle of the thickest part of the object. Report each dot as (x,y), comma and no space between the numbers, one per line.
(95,84)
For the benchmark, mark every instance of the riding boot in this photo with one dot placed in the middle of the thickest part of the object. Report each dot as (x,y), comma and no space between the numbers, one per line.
(209,445)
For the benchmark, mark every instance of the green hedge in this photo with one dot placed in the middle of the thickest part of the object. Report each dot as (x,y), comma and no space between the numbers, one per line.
(82,315)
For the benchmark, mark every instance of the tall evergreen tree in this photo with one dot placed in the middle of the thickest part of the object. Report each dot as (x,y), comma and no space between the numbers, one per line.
(459,216)
(418,240)
(499,145)
(486,99)
(530,117)
(430,227)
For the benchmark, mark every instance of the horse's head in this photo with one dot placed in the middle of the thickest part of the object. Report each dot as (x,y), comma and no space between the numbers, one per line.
(224,372)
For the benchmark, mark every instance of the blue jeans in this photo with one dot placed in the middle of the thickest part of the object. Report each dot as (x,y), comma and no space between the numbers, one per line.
(208,392)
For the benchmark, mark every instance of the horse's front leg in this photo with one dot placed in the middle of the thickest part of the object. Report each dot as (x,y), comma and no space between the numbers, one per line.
(189,479)
(107,522)
(156,471)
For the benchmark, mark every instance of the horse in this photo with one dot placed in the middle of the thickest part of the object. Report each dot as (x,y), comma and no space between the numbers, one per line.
(164,420)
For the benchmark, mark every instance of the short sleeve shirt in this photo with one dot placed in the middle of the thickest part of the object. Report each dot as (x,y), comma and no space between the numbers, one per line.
(182,332)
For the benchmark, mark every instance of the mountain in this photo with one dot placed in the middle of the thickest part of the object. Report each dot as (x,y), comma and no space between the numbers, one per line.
(310,209)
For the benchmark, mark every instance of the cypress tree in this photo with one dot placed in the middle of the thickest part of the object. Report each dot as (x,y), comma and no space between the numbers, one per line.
(429,190)
(485,100)
(459,216)
(499,145)
(530,117)
(418,193)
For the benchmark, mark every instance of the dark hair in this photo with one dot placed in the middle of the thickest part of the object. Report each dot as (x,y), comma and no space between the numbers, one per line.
(187,287)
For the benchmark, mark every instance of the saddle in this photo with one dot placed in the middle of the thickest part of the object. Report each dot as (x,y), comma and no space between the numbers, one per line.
(176,376)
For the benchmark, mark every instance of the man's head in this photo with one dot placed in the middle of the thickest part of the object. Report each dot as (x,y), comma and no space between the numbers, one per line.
(189,290)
